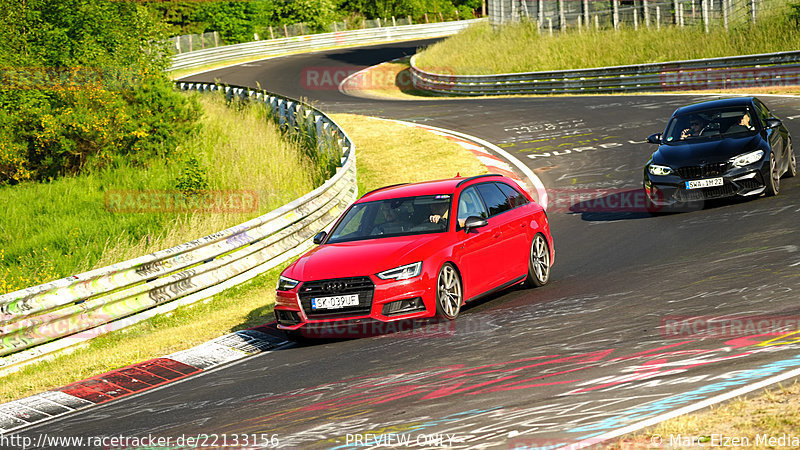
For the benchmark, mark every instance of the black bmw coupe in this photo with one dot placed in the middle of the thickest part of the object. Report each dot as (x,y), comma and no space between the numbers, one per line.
(716,149)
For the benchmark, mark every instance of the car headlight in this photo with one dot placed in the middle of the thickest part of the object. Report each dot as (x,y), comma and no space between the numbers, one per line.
(748,158)
(656,169)
(286,284)
(402,272)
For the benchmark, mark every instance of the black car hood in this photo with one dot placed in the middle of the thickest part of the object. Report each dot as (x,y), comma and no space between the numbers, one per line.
(703,151)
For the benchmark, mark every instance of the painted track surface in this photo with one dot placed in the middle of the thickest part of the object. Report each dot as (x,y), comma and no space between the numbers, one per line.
(591,352)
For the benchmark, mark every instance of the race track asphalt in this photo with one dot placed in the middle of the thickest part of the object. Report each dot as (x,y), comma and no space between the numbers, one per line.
(612,340)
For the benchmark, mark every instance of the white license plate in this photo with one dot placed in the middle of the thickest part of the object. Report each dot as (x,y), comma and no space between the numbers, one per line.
(336,302)
(708,182)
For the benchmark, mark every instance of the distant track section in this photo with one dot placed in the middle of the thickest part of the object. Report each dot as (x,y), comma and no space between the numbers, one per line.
(273,47)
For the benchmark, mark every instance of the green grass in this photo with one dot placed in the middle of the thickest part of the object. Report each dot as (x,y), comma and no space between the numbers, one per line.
(774,413)
(419,156)
(56,229)
(520,47)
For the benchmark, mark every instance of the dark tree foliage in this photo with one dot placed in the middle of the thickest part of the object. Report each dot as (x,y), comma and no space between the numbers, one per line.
(236,21)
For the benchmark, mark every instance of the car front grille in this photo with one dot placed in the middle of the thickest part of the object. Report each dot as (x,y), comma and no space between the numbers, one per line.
(363,286)
(703,171)
(691,195)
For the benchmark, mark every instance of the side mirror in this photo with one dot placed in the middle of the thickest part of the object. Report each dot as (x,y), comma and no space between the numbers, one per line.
(654,138)
(475,222)
(773,123)
(320,237)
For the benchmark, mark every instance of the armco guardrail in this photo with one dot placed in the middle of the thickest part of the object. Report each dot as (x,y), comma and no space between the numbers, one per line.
(293,44)
(714,73)
(55,315)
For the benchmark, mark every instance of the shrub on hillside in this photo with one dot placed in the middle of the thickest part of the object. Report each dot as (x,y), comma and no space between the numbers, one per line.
(83,87)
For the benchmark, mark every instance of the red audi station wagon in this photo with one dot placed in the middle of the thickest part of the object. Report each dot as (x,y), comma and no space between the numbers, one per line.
(414,251)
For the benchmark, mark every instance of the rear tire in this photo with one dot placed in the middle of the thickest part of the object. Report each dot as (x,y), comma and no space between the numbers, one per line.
(774,181)
(539,262)
(449,292)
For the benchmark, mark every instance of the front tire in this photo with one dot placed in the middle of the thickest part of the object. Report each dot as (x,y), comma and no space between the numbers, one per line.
(539,262)
(792,170)
(449,292)
(774,181)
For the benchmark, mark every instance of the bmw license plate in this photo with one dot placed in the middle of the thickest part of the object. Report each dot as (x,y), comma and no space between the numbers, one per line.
(336,302)
(708,182)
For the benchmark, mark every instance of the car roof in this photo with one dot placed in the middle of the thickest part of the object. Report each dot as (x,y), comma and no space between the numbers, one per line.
(721,103)
(447,186)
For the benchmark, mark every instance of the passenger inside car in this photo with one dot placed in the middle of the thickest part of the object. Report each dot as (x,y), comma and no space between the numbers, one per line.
(743,125)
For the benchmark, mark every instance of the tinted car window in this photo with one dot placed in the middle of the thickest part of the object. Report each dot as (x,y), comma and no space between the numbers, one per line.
(393,217)
(470,204)
(710,124)
(496,202)
(515,198)
(763,113)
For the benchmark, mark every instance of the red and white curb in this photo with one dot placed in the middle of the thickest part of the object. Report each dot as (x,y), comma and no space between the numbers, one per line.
(486,152)
(134,379)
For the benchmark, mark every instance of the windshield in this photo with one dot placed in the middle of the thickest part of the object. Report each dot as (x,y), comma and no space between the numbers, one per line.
(393,217)
(711,124)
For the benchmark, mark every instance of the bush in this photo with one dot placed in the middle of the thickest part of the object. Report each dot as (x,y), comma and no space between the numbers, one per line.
(83,88)
(193,180)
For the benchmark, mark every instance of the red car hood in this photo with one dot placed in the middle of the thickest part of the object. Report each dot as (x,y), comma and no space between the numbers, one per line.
(359,258)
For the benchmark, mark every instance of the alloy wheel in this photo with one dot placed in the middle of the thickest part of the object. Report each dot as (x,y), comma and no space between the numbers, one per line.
(539,264)
(448,292)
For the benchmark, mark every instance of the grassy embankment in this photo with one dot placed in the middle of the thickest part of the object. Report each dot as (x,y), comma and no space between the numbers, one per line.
(521,48)
(773,414)
(59,228)
(481,50)
(236,162)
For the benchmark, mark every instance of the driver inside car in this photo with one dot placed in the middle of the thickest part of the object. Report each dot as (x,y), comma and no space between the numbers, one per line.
(696,125)
(389,221)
